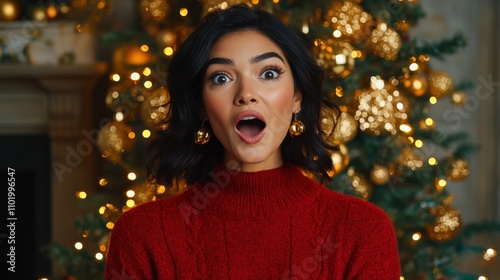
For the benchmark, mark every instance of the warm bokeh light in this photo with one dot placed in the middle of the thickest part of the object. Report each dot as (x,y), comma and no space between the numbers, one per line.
(433,100)
(183,12)
(413,67)
(135,76)
(419,143)
(148,84)
(130,203)
(115,77)
(99,256)
(110,225)
(81,195)
(78,245)
(103,182)
(130,193)
(131,135)
(131,176)
(432,161)
(144,48)
(102,210)
(416,236)
(119,116)
(168,51)
(146,72)
(429,121)
(160,189)
(146,133)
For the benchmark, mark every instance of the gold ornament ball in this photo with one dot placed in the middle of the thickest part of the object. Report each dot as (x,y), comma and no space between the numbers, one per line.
(296,128)
(458,170)
(447,224)
(379,109)
(10,10)
(416,84)
(349,21)
(380,175)
(346,128)
(385,42)
(211,5)
(410,159)
(122,97)
(458,98)
(155,109)
(340,159)
(328,117)
(360,185)
(166,38)
(154,11)
(335,57)
(113,139)
(440,84)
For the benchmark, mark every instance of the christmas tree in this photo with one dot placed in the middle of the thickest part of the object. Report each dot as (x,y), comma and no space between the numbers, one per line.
(390,152)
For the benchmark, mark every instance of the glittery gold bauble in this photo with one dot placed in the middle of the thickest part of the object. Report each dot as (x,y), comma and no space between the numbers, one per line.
(349,21)
(166,38)
(39,14)
(440,84)
(334,56)
(458,170)
(328,117)
(155,109)
(340,159)
(380,175)
(458,98)
(113,139)
(385,42)
(379,109)
(447,224)
(154,11)
(359,184)
(10,10)
(410,159)
(416,84)
(143,192)
(124,97)
(211,5)
(346,128)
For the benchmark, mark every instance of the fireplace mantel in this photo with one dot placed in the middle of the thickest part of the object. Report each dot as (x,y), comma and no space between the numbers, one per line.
(56,101)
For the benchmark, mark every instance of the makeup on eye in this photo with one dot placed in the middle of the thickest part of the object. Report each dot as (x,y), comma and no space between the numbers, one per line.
(222,77)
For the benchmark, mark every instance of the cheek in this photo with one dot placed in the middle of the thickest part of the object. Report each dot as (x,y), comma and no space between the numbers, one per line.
(282,106)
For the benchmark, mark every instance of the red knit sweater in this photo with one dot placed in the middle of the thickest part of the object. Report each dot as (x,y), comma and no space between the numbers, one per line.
(273,224)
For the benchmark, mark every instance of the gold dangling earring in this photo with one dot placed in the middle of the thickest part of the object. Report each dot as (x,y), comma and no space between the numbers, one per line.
(296,127)
(202,135)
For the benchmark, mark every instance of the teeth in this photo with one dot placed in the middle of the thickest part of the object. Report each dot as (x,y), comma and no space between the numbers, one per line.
(248,118)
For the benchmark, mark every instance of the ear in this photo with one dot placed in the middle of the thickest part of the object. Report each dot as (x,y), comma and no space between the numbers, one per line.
(297,101)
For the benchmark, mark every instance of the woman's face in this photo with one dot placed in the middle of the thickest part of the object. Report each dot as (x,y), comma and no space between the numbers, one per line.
(249,98)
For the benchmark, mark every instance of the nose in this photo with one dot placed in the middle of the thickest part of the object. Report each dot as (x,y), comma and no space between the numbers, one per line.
(246,93)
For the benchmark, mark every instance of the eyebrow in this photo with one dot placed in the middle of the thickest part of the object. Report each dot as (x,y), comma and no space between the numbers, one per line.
(253,60)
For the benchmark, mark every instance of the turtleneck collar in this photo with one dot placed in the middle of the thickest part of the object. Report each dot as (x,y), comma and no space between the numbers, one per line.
(258,194)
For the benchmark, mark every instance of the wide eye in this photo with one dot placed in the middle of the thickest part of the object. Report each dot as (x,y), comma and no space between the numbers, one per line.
(269,74)
(220,79)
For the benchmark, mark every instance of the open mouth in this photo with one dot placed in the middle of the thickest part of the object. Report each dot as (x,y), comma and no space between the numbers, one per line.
(250,126)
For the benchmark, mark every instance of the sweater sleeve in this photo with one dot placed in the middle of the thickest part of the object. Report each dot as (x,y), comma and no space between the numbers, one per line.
(375,254)
(136,249)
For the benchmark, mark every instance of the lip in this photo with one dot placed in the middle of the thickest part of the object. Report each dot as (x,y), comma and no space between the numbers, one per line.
(245,138)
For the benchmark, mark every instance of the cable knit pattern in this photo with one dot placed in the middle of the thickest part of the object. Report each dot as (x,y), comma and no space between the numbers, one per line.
(272,224)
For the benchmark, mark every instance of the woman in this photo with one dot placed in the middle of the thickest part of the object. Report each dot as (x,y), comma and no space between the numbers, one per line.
(245,103)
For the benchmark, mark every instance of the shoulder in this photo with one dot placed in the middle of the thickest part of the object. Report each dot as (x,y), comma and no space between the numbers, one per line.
(354,211)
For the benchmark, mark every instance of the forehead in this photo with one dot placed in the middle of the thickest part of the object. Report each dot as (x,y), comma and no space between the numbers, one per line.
(237,43)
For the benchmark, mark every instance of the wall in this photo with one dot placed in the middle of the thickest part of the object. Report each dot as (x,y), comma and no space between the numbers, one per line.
(478,196)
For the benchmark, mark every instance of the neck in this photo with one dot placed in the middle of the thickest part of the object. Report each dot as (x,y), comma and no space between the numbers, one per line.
(257,194)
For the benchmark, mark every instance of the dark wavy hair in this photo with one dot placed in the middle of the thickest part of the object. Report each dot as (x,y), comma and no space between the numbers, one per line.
(173,155)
